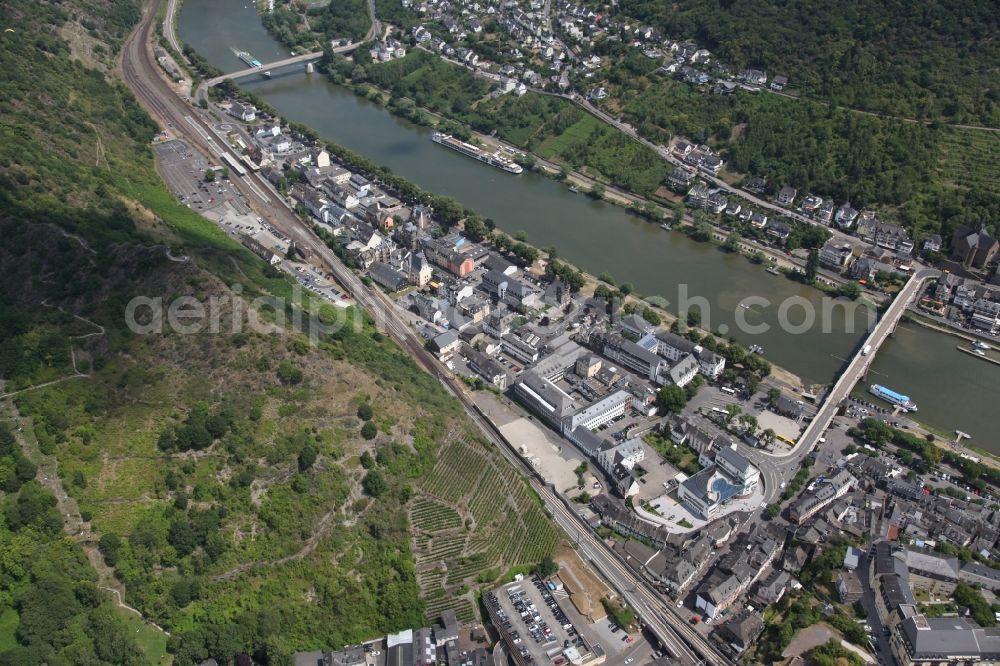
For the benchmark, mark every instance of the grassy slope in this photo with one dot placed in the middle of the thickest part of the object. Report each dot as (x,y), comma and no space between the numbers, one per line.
(203,529)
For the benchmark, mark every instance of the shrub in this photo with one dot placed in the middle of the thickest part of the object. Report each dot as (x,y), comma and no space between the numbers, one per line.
(288,373)
(110,547)
(374,483)
(307,456)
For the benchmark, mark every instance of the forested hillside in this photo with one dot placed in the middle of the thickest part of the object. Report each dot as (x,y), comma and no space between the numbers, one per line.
(930,178)
(249,492)
(936,59)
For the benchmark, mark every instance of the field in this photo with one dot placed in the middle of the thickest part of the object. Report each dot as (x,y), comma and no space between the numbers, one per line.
(969,160)
(153,643)
(576,133)
(474,519)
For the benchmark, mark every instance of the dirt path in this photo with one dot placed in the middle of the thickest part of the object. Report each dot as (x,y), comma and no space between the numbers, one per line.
(309,546)
(72,355)
(73,524)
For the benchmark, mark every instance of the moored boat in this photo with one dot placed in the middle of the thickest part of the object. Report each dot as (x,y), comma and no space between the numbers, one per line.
(493,159)
(893,397)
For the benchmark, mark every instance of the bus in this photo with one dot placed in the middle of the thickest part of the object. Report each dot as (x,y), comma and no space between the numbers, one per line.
(728,390)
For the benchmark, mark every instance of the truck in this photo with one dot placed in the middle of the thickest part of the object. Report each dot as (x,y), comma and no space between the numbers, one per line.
(866,350)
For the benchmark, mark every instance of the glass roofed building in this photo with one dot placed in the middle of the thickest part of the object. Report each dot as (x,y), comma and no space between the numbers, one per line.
(730,476)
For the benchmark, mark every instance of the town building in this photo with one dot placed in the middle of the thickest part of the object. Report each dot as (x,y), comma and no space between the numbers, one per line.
(444,345)
(973,247)
(914,638)
(823,493)
(412,647)
(730,477)
(259,249)
(836,256)
(386,276)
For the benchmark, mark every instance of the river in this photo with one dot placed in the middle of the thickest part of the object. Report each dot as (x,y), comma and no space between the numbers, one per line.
(593,235)
(951,388)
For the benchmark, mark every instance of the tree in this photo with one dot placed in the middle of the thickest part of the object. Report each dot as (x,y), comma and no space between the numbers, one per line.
(967,596)
(932,455)
(749,422)
(732,243)
(732,412)
(374,483)
(476,229)
(307,456)
(812,266)
(773,394)
(702,231)
(767,437)
(110,547)
(182,536)
(603,293)
(365,411)
(546,567)
(367,461)
(851,290)
(678,211)
(368,430)
(876,432)
(184,591)
(671,399)
(693,318)
(209,175)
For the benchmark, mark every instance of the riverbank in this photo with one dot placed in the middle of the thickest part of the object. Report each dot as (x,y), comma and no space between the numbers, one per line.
(951,388)
(591,234)
(648,209)
(923,320)
(749,367)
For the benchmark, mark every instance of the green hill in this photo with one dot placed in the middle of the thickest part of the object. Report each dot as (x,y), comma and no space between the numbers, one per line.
(228,484)
(929,60)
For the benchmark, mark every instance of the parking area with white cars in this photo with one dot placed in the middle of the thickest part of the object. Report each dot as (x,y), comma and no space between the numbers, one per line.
(529,615)
(184,169)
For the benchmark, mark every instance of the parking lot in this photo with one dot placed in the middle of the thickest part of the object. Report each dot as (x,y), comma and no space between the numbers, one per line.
(184,172)
(538,628)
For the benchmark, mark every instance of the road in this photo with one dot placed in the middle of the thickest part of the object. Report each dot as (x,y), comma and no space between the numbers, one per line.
(876,114)
(277,64)
(141,74)
(665,153)
(779,467)
(883,650)
(376,26)
(374,30)
(169,27)
(858,365)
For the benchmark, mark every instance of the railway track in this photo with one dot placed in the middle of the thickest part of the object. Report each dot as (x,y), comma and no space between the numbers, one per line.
(141,74)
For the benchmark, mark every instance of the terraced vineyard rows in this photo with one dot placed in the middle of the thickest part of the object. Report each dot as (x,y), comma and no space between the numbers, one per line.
(472,485)
(429,515)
